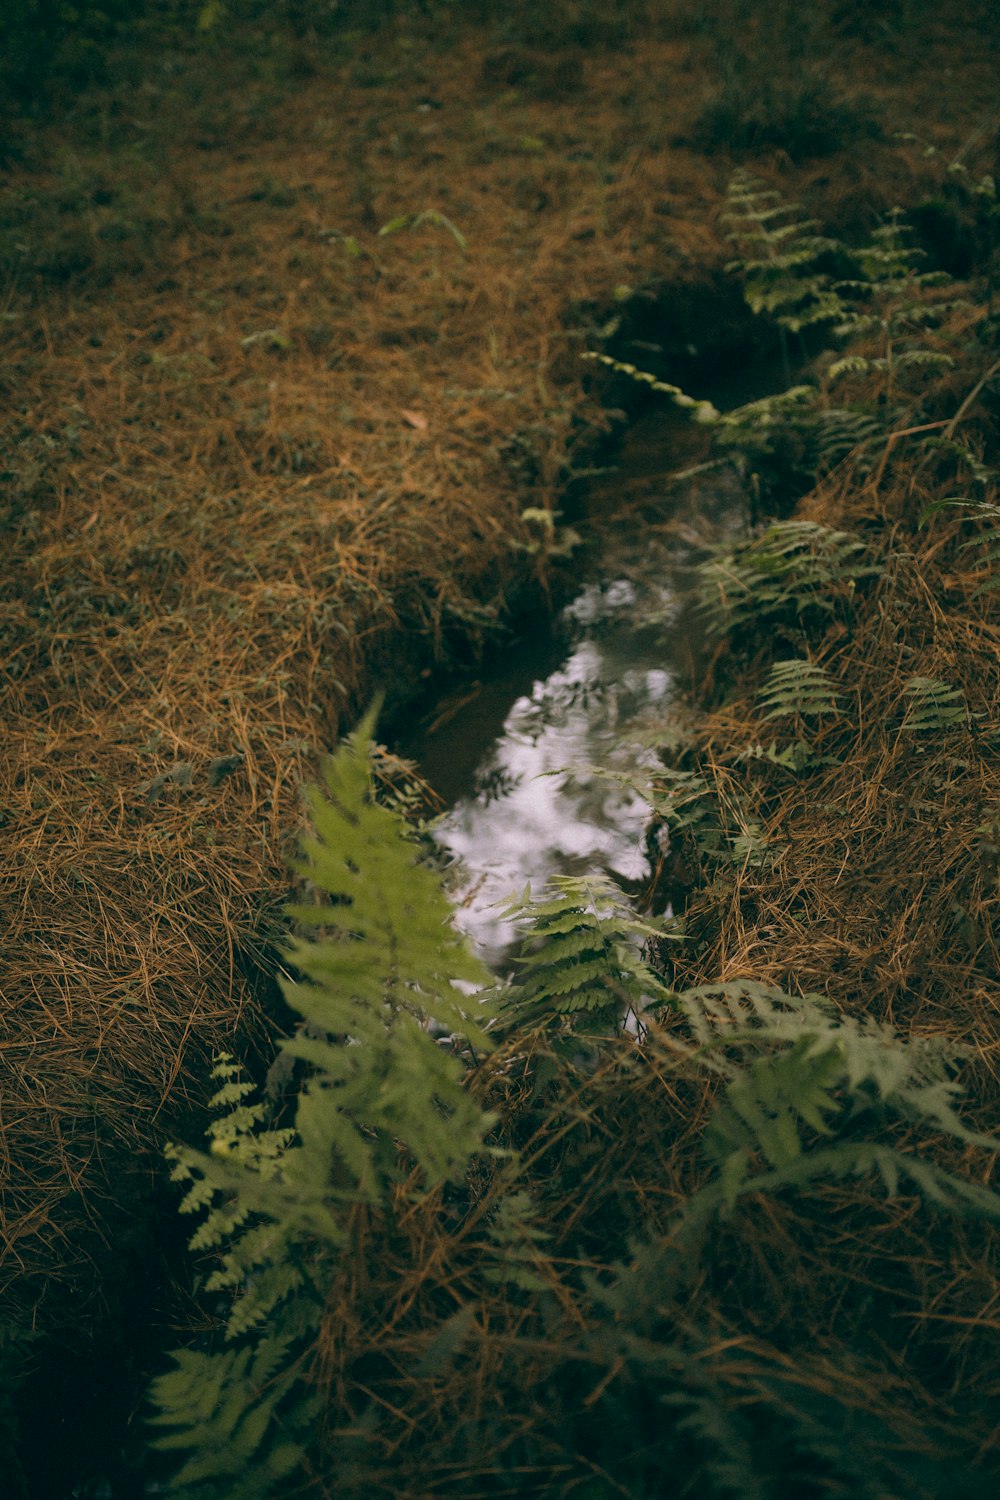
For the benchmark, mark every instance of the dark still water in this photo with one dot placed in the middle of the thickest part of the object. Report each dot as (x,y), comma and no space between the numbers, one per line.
(539,763)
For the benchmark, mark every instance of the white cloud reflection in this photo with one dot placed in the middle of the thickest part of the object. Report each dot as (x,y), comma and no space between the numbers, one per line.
(538,809)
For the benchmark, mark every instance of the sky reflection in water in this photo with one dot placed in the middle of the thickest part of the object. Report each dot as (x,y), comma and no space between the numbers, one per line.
(537,808)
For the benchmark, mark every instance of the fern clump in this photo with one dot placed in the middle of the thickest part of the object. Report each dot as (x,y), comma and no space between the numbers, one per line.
(798,1083)
(378,1093)
(881,318)
(581,956)
(792,575)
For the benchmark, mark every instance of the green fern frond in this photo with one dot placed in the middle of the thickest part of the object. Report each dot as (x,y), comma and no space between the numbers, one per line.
(841,430)
(701,411)
(890,309)
(764,1107)
(581,954)
(722,1431)
(987,542)
(376,972)
(385,922)
(923,359)
(795,1075)
(780,444)
(888,264)
(779,267)
(719,1013)
(798,690)
(966,459)
(780,577)
(231,1409)
(515,1244)
(933,706)
(688,808)
(753,430)
(850,364)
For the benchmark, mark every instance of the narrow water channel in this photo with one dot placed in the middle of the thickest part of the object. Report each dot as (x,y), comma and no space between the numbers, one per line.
(520,754)
(535,759)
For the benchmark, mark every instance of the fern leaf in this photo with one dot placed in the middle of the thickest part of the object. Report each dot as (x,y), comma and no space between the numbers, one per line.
(378,1088)
(851,364)
(702,411)
(988,542)
(598,970)
(791,569)
(515,1241)
(933,706)
(781,270)
(725,1439)
(809,1069)
(798,689)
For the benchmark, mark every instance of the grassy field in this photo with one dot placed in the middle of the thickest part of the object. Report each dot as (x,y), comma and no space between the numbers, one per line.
(292,318)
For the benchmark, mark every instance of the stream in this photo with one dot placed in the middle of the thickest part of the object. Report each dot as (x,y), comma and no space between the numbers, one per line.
(534,759)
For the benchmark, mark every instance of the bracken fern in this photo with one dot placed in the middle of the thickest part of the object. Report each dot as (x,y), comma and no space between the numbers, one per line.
(378,1094)
(798,1080)
(781,263)
(793,573)
(798,690)
(987,543)
(581,955)
(934,706)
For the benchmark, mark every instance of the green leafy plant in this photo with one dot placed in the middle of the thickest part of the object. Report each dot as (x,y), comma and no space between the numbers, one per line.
(581,955)
(701,411)
(933,706)
(799,1080)
(798,690)
(792,757)
(782,264)
(686,814)
(375,1093)
(791,575)
(427,216)
(688,808)
(988,540)
(793,275)
(517,1242)
(892,309)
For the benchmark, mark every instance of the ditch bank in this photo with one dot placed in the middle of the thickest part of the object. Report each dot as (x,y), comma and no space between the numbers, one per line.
(108,1314)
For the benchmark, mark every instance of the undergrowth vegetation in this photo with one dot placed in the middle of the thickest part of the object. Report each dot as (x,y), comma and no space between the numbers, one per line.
(786,1094)
(708,1195)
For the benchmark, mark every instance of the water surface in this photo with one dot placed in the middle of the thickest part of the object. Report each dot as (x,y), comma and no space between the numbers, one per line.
(539,762)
